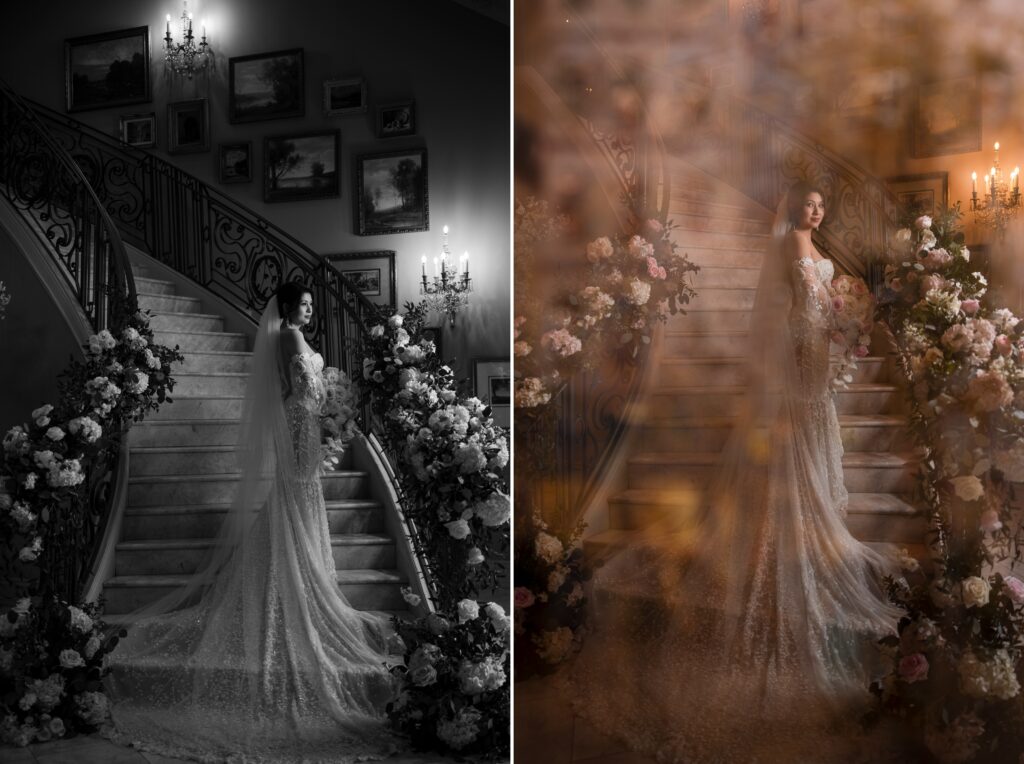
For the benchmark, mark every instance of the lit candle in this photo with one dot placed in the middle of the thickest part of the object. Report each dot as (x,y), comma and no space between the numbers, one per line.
(435,267)
(204,29)
(997,145)
(168,25)
(190,25)
(423,261)
(465,257)
(1016,179)
(974,182)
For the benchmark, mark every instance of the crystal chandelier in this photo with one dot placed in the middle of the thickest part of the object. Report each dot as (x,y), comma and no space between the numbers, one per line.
(448,291)
(186,58)
(1001,201)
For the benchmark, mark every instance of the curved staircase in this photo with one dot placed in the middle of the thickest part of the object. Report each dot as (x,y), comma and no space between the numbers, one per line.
(182,473)
(697,387)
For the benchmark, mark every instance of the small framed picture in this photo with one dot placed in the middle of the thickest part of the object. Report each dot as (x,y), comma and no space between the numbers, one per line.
(372,273)
(391,192)
(436,335)
(303,166)
(266,86)
(138,130)
(109,69)
(188,127)
(947,118)
(234,162)
(396,119)
(343,97)
(492,384)
(923,194)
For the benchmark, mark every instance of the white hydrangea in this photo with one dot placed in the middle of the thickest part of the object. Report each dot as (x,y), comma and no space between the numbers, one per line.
(80,620)
(485,676)
(494,510)
(458,529)
(638,292)
(48,691)
(995,677)
(86,428)
(460,731)
(548,548)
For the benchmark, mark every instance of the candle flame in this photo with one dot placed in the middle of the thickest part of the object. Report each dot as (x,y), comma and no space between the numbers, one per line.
(974,176)
(997,145)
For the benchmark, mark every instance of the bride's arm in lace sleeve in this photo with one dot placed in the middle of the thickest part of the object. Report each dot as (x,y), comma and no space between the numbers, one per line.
(807,287)
(291,346)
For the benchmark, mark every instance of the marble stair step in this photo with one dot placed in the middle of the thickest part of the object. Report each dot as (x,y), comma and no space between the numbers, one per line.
(859,432)
(190,342)
(679,370)
(196,521)
(863,472)
(364,589)
(187,408)
(721,400)
(725,277)
(209,361)
(756,241)
(178,460)
(213,384)
(687,223)
(183,556)
(149,285)
(162,490)
(724,257)
(695,320)
(169,303)
(684,199)
(187,322)
(126,620)
(196,432)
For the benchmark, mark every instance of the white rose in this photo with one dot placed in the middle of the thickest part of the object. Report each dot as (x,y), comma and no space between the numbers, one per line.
(975,591)
(377,332)
(475,556)
(458,529)
(468,610)
(968,487)
(396,321)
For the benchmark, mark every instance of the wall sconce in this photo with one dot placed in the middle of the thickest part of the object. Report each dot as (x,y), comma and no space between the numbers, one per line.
(1001,201)
(448,291)
(186,58)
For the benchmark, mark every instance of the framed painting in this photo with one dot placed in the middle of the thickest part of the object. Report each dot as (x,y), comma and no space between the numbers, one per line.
(436,335)
(947,118)
(234,162)
(396,119)
(266,86)
(492,384)
(923,194)
(110,69)
(302,166)
(372,273)
(391,192)
(342,97)
(138,130)
(188,126)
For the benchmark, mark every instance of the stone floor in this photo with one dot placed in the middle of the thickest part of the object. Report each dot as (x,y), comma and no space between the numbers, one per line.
(91,749)
(546,730)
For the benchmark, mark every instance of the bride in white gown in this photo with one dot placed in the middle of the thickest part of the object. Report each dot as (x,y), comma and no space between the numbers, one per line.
(748,637)
(260,657)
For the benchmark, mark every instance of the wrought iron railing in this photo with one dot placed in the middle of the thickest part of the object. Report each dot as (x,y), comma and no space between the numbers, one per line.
(50,193)
(206,235)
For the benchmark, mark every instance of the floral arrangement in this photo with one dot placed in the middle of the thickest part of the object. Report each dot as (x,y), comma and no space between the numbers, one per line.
(455,681)
(338,420)
(634,281)
(548,601)
(955,669)
(451,486)
(51,669)
(852,318)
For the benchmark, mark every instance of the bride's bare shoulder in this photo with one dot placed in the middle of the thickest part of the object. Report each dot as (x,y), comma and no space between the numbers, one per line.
(795,246)
(291,342)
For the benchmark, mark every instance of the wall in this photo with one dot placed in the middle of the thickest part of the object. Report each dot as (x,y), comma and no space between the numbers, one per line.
(451,61)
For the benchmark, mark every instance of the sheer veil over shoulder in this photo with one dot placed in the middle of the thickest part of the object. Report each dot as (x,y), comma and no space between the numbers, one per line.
(259,655)
(745,634)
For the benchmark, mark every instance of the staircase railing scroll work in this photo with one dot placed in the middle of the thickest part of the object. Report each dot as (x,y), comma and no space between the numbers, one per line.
(179,220)
(48,190)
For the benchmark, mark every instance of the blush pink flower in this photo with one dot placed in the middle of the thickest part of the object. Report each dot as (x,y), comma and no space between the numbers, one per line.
(989,391)
(990,521)
(837,303)
(652,267)
(523,597)
(861,351)
(970,307)
(662,273)
(1015,588)
(913,668)
(1003,345)
(655,226)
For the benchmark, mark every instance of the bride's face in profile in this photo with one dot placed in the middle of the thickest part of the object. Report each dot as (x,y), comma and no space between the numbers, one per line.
(812,212)
(302,313)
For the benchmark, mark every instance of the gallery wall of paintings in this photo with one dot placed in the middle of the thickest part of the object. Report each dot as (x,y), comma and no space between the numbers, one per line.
(353,132)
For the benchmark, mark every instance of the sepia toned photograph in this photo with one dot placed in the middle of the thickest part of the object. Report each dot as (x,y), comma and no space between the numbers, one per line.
(110,69)
(391,192)
(266,86)
(297,167)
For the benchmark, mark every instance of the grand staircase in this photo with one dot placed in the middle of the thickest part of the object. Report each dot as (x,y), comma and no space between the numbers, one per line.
(698,386)
(183,474)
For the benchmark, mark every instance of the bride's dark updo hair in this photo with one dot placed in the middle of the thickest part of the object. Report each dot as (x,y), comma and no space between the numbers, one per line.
(796,195)
(288,295)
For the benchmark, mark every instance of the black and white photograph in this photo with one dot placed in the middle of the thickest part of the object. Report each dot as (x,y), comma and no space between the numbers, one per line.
(391,192)
(188,126)
(397,119)
(138,130)
(234,162)
(372,273)
(297,167)
(266,86)
(492,384)
(109,69)
(344,97)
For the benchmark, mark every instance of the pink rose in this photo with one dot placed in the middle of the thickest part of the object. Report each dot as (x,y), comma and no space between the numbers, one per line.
(654,226)
(913,668)
(861,351)
(652,267)
(970,307)
(662,273)
(1015,588)
(912,277)
(1003,345)
(923,222)
(896,285)
(837,303)
(859,288)
(523,597)
(990,521)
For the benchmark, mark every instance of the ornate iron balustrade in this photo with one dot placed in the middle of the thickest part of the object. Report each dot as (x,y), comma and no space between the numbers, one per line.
(206,235)
(51,194)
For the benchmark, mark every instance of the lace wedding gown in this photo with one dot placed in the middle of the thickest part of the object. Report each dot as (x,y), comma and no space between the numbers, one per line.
(748,637)
(272,663)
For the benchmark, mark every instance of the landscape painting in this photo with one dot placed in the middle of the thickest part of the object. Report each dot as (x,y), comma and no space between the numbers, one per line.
(266,86)
(391,192)
(298,167)
(108,69)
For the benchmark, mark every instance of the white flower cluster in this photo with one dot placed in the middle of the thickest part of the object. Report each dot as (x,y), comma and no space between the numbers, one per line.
(101,342)
(995,677)
(93,707)
(494,510)
(133,339)
(530,393)
(80,620)
(86,428)
(484,676)
(548,548)
(462,729)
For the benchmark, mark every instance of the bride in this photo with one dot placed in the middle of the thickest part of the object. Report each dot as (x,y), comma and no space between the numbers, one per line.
(747,637)
(260,657)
